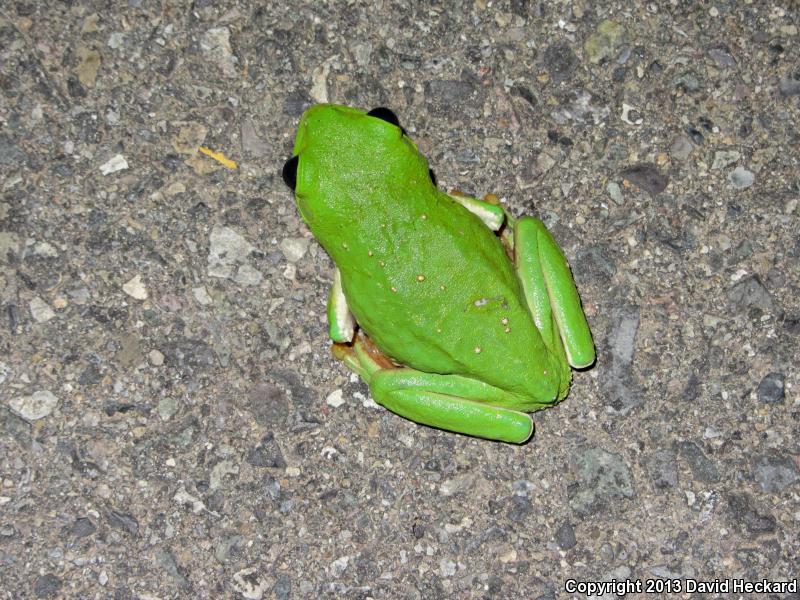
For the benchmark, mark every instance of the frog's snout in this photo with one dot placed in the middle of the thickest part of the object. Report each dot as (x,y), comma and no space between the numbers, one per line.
(289,172)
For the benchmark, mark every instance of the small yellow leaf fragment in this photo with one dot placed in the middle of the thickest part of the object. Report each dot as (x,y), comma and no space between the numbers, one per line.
(219,157)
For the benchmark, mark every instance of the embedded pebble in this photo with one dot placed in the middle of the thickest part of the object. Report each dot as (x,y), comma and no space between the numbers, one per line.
(36,406)
(565,536)
(248,275)
(250,583)
(135,288)
(722,56)
(339,566)
(702,467)
(771,388)
(560,61)
(227,246)
(604,42)
(45,249)
(776,471)
(156,358)
(266,453)
(189,136)
(82,527)
(335,399)
(615,193)
(294,248)
(219,471)
(202,296)
(116,40)
(40,310)
(114,164)
(447,567)
(88,65)
(603,479)
(251,142)
(741,178)
(663,469)
(122,521)
(9,244)
(47,586)
(723,158)
(167,407)
(622,339)
(789,86)
(646,177)
(165,559)
(748,516)
(751,292)
(227,250)
(216,45)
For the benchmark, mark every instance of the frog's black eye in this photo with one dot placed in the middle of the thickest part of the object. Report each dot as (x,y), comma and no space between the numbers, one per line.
(289,172)
(384,114)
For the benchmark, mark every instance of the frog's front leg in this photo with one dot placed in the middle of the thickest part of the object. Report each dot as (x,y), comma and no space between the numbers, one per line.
(341,323)
(449,402)
(492,215)
(551,294)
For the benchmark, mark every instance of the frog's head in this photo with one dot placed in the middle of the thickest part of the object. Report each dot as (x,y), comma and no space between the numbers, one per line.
(339,150)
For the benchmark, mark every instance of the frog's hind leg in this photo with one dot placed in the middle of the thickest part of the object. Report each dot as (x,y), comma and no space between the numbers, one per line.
(551,294)
(452,403)
(449,402)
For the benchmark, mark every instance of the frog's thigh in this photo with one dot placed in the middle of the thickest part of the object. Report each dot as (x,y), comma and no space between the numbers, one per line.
(449,402)
(341,324)
(551,293)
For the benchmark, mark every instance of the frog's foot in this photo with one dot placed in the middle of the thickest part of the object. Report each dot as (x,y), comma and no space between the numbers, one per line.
(551,294)
(449,402)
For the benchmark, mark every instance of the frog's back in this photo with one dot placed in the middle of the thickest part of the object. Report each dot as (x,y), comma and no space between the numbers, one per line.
(436,291)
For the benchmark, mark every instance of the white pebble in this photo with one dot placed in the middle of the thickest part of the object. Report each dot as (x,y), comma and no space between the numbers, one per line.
(36,406)
(202,296)
(741,178)
(335,399)
(135,288)
(40,310)
(114,164)
(294,248)
(156,357)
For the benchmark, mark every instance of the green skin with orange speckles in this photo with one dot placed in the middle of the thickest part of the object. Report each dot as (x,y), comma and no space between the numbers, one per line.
(481,328)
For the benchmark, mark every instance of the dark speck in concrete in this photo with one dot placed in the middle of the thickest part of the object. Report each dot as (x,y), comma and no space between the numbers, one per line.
(771,388)
(646,177)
